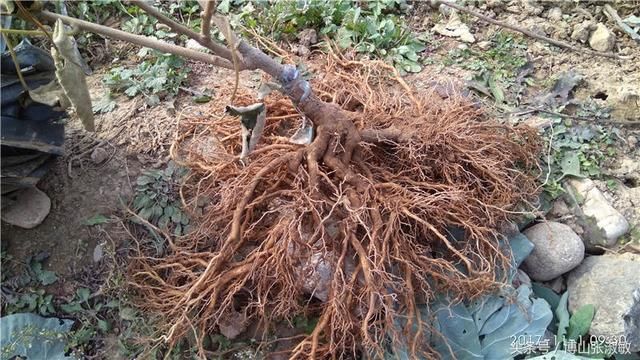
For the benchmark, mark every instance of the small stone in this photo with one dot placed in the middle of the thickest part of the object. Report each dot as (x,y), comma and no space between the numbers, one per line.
(581,31)
(455,28)
(559,209)
(557,250)
(29,210)
(307,37)
(538,122)
(632,141)
(596,208)
(554,14)
(232,325)
(98,253)
(612,284)
(194,45)
(602,39)
(531,8)
(463,46)
(99,155)
(301,50)
(484,45)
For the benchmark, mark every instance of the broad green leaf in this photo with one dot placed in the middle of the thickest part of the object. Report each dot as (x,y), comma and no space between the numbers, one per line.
(96,220)
(83,294)
(580,322)
(33,337)
(46,277)
(71,308)
(103,325)
(560,355)
(105,104)
(459,334)
(570,164)
(562,314)
(546,293)
(201,99)
(127,313)
(224,6)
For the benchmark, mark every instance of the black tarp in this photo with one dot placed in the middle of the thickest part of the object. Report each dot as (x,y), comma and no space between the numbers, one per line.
(31,133)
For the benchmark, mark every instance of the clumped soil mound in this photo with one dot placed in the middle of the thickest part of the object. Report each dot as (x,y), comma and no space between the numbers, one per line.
(364,229)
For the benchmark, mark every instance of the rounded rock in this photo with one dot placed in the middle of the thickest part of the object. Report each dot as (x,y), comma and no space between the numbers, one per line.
(558,249)
(31,208)
(602,39)
(554,14)
(99,155)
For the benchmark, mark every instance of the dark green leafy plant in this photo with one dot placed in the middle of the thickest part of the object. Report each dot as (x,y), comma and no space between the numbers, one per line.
(577,150)
(372,29)
(154,78)
(157,200)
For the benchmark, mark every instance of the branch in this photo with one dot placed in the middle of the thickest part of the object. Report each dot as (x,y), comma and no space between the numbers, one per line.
(528,33)
(139,40)
(202,39)
(206,18)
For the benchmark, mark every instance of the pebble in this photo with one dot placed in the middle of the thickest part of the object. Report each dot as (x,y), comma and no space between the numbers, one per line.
(582,31)
(596,208)
(98,253)
(632,141)
(307,37)
(557,250)
(194,45)
(602,39)
(99,155)
(554,14)
(611,283)
(30,209)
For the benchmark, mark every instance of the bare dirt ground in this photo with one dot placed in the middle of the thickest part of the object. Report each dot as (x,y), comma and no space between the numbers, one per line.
(137,137)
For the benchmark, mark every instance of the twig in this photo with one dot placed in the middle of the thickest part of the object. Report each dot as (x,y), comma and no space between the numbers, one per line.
(204,40)
(140,40)
(529,33)
(626,28)
(23,32)
(582,118)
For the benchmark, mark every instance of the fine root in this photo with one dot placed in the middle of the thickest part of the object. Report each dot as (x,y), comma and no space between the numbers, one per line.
(400,196)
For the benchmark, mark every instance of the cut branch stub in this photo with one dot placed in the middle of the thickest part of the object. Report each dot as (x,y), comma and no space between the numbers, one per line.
(252,120)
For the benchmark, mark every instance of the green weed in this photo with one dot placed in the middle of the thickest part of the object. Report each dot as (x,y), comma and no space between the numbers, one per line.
(157,200)
(155,78)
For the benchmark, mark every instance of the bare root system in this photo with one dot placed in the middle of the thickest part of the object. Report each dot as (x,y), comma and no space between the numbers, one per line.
(356,229)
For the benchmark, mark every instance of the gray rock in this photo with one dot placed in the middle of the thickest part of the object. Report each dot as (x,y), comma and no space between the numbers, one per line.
(307,37)
(194,45)
(30,209)
(232,325)
(602,39)
(98,253)
(582,31)
(99,155)
(554,14)
(531,7)
(612,284)
(557,250)
(610,223)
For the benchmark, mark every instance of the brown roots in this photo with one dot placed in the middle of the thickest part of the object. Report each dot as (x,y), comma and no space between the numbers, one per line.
(361,220)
